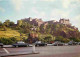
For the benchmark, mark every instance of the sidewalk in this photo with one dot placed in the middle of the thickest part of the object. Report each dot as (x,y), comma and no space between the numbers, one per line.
(19,53)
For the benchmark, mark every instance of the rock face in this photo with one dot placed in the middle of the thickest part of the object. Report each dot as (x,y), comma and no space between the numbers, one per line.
(33,35)
(32,38)
(62,27)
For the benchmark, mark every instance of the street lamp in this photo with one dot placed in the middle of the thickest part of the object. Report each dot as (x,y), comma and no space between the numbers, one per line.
(33,39)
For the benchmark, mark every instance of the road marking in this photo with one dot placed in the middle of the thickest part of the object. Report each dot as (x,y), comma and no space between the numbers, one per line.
(6,50)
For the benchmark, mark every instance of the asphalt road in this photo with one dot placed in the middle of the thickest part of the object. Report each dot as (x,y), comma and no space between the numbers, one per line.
(47,51)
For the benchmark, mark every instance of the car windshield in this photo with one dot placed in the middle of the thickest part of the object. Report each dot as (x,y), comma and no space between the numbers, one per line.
(38,41)
(20,42)
(1,43)
(57,42)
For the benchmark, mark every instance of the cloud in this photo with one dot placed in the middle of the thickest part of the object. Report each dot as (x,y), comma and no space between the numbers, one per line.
(18,4)
(76,21)
(39,14)
(2,9)
(67,4)
(49,0)
(56,13)
(34,10)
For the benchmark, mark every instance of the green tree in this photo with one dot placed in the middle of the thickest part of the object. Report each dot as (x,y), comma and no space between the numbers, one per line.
(4,28)
(48,38)
(65,40)
(5,41)
(59,38)
(19,23)
(0,23)
(75,39)
(11,23)
(7,23)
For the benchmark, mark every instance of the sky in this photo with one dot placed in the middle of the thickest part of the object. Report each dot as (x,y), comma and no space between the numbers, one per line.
(45,9)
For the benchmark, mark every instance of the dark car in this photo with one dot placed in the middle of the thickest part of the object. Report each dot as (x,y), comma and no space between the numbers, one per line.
(20,44)
(40,43)
(58,43)
(1,44)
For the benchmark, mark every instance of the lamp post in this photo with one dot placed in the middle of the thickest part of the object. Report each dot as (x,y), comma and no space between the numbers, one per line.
(33,42)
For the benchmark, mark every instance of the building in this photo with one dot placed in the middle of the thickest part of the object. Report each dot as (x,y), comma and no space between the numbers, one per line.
(35,21)
(39,22)
(27,19)
(52,21)
(65,21)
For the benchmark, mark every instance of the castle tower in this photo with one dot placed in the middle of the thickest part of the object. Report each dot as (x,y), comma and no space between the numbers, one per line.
(65,21)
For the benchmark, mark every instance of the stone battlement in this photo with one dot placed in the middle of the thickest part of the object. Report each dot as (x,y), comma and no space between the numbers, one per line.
(65,21)
(38,22)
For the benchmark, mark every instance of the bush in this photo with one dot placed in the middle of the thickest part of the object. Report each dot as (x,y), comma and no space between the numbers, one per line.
(75,39)
(8,41)
(60,38)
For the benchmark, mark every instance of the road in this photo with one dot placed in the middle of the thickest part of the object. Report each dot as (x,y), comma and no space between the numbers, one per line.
(47,51)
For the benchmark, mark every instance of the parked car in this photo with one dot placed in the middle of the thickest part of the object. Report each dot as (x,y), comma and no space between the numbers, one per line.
(75,43)
(1,44)
(58,43)
(66,44)
(40,43)
(72,43)
(78,43)
(20,44)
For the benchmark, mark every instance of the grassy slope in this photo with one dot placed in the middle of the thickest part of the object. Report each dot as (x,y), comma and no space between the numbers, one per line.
(9,33)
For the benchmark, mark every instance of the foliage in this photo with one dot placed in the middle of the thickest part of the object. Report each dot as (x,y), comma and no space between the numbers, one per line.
(0,23)
(60,38)
(47,33)
(19,22)
(8,40)
(75,39)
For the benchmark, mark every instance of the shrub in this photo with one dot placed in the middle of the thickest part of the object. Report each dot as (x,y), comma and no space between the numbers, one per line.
(8,41)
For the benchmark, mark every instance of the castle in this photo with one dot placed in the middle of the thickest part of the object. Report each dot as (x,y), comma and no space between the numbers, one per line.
(35,21)
(38,22)
(65,21)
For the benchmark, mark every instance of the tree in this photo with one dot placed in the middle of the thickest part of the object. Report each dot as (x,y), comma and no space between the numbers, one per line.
(19,23)
(0,23)
(38,29)
(11,23)
(5,41)
(8,40)
(59,38)
(75,39)
(48,38)
(7,23)
(4,28)
(48,29)
(65,40)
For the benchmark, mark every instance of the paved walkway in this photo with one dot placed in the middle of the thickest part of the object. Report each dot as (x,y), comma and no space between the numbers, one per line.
(48,51)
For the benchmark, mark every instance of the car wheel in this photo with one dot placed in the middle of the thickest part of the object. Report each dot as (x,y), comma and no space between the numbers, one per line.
(1,46)
(37,45)
(27,45)
(16,46)
(45,44)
